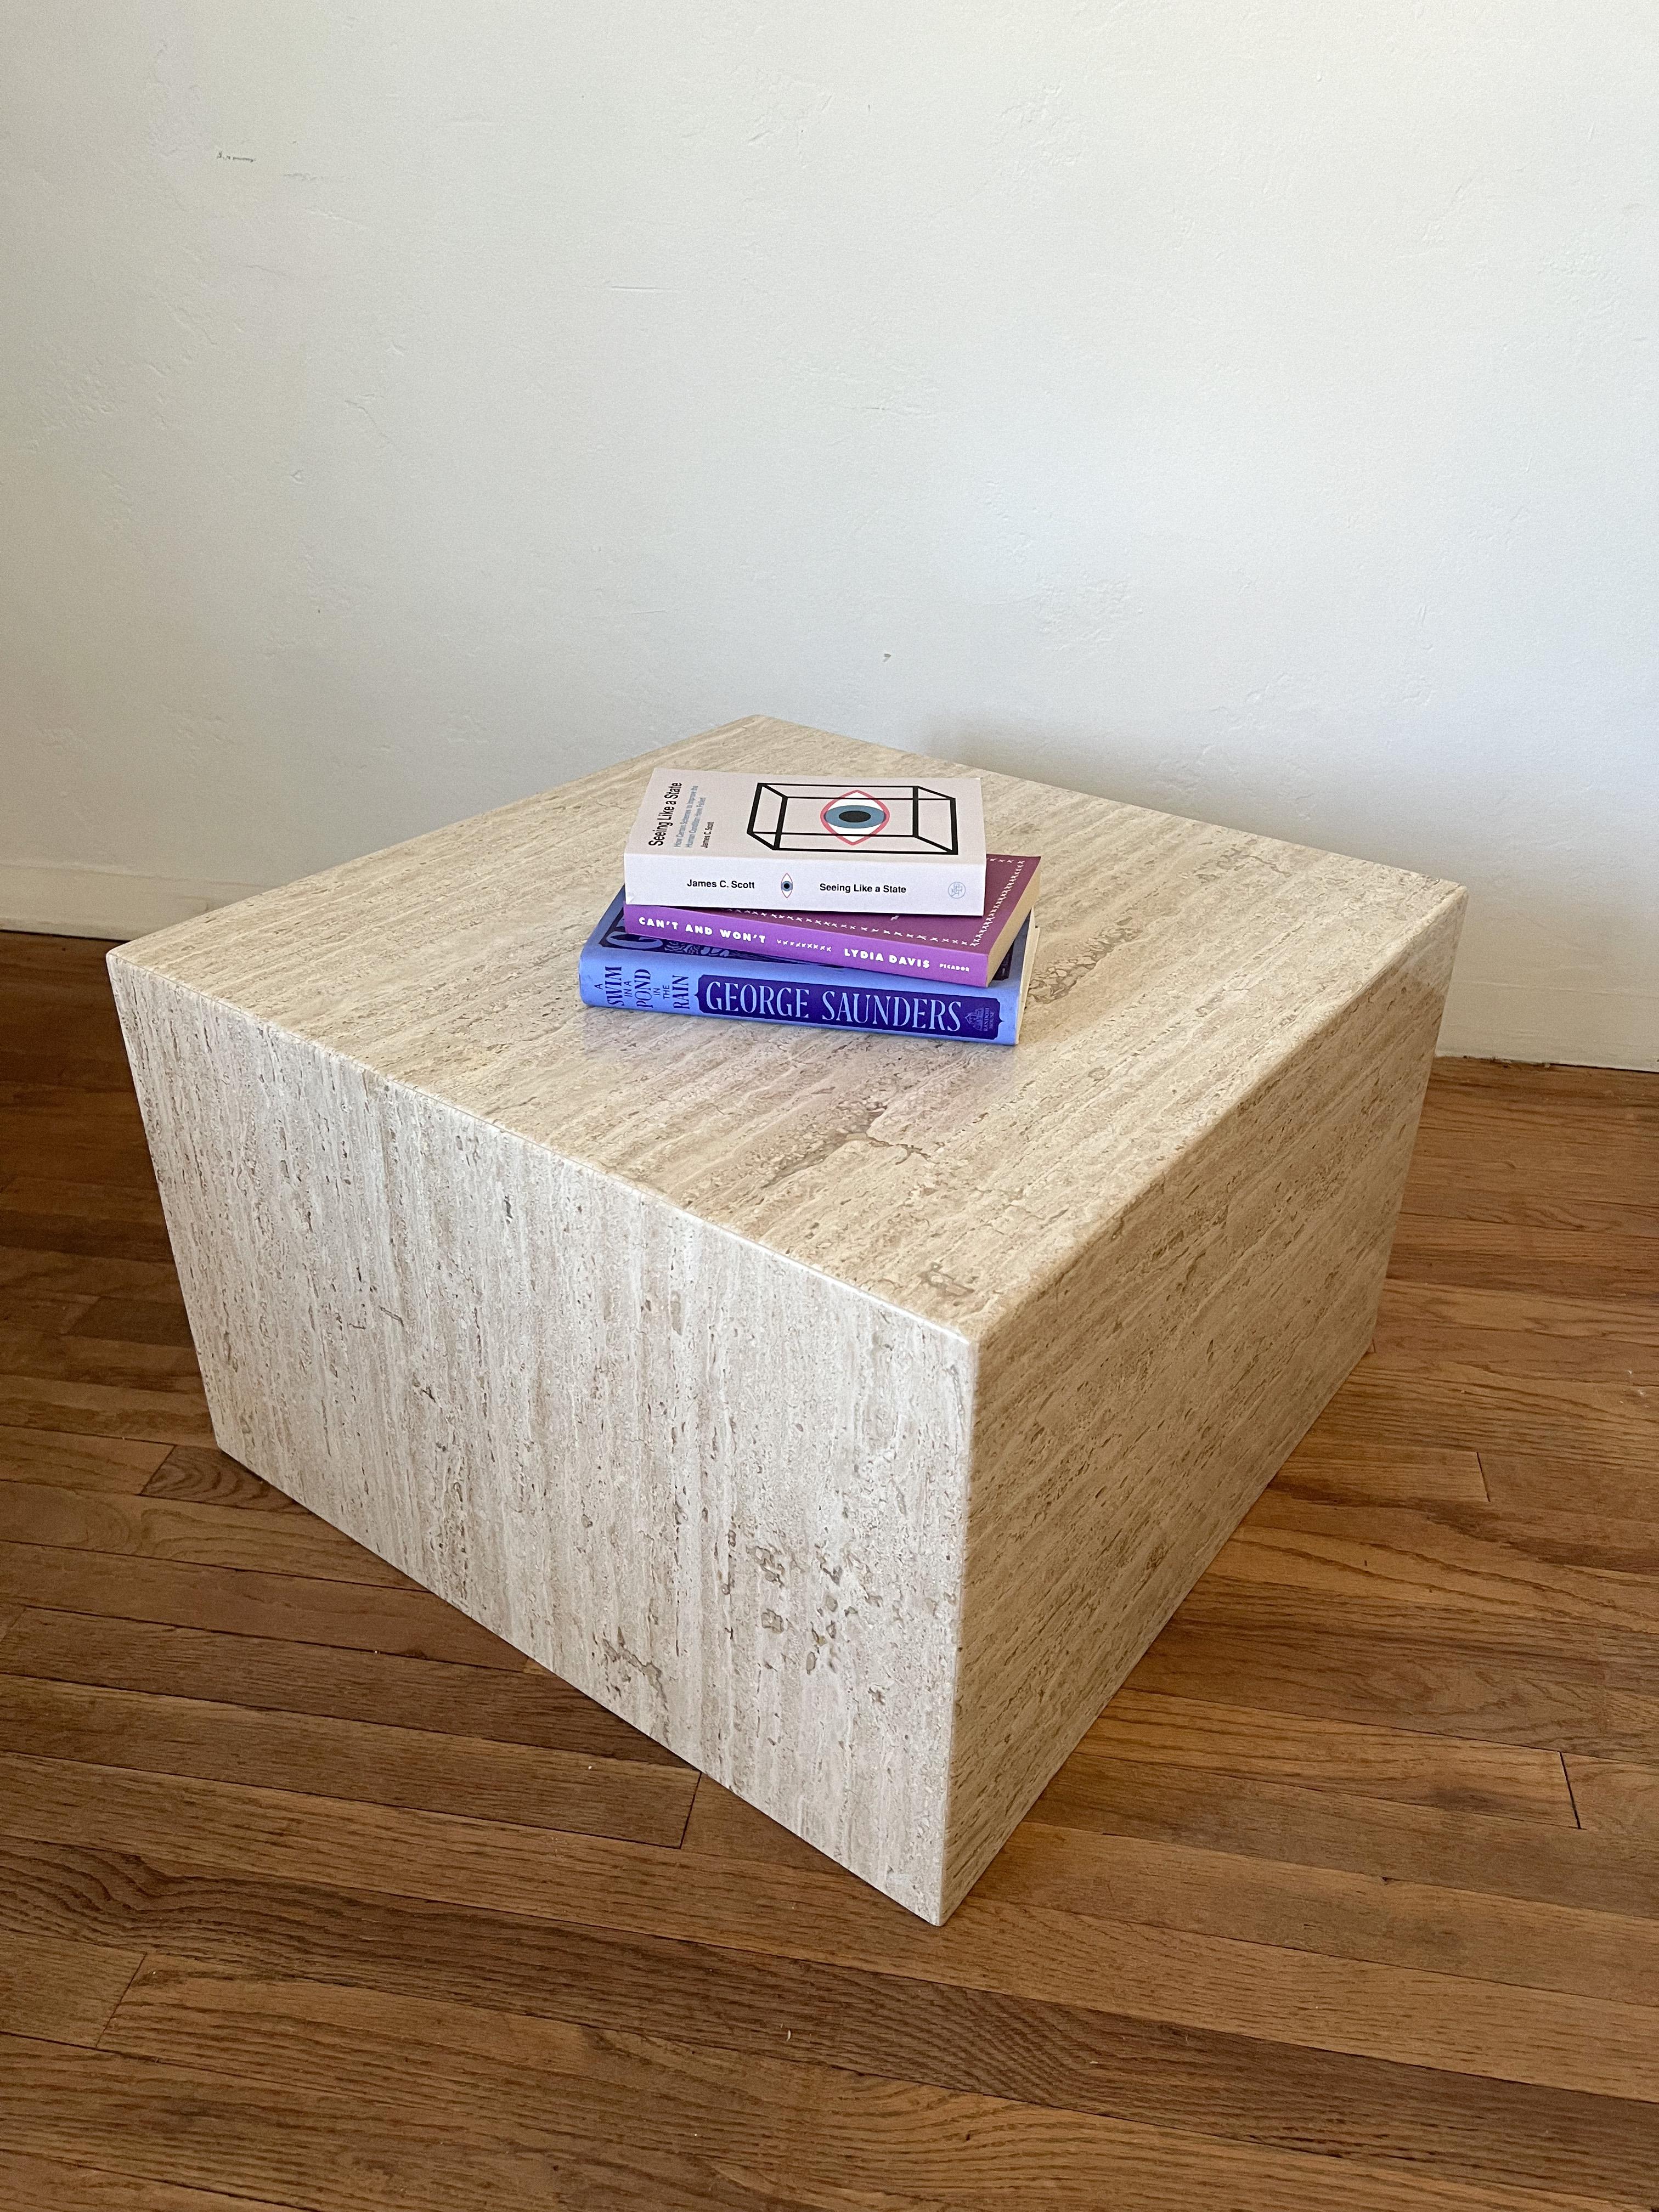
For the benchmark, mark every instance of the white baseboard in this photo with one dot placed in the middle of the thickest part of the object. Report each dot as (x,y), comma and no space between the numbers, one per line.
(1544,1022)
(103,901)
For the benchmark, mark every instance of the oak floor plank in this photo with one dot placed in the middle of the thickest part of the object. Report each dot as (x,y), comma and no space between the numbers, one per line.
(204,1475)
(1480,1937)
(64,1990)
(87,1237)
(877,2025)
(1567,1568)
(77,1463)
(133,1321)
(100,1154)
(1467,1852)
(41,2185)
(1348,1759)
(328,2152)
(1527,1482)
(39,1094)
(1454,2024)
(54,1023)
(1404,1345)
(780,2123)
(723,1826)
(1383,1475)
(873,2024)
(1602,1152)
(89,1274)
(361,1616)
(1494,1678)
(71,1198)
(1078,1853)
(144,1526)
(1612,1185)
(40,1313)
(37,1110)
(1618,1794)
(878,2021)
(1528,1320)
(1593,1168)
(1503,1080)
(1514,1106)
(34,958)
(1611,1423)
(1495,1256)
(60,1355)
(319,1755)
(172,1417)
(536,1710)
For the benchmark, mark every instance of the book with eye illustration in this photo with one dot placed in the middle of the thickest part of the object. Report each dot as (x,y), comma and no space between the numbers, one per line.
(711,838)
(646,974)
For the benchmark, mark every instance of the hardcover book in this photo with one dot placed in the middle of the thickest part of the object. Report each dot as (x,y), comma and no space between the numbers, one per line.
(710,838)
(644,975)
(965,948)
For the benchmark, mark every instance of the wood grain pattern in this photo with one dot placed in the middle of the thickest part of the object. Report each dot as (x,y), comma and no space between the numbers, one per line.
(63,1990)
(1304,1923)
(483,1778)
(152,1528)
(1381,1474)
(630,2129)
(988,1353)
(1385,1840)
(206,1476)
(875,2024)
(1617,1794)
(99,1409)
(1321,1754)
(1484,1675)
(279,1676)
(1627,1489)
(42,2185)
(362,1615)
(546,2084)
(134,1320)
(72,1462)
(58,1352)
(1405,2014)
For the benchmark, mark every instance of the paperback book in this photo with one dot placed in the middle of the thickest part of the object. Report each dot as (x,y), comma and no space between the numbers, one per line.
(648,974)
(711,838)
(965,948)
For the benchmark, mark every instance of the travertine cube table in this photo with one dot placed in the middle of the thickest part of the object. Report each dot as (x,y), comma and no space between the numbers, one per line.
(848,1412)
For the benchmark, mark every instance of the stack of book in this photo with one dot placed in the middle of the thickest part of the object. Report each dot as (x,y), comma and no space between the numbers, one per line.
(840,906)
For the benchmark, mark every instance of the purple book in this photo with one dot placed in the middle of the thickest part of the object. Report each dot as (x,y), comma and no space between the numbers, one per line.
(945,948)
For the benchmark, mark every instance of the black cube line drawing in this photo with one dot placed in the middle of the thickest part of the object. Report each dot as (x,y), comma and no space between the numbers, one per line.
(827,817)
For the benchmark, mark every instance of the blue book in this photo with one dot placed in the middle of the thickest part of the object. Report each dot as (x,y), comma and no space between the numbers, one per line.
(648,975)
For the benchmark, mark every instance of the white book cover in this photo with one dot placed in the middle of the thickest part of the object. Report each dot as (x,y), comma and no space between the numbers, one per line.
(706,837)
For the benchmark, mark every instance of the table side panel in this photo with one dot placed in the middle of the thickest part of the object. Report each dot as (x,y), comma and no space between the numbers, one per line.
(1130,1416)
(719,1492)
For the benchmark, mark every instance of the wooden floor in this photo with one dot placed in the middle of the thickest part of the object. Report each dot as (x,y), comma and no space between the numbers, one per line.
(313,1894)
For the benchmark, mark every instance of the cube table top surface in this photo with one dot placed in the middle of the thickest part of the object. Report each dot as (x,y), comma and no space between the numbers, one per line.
(1181,964)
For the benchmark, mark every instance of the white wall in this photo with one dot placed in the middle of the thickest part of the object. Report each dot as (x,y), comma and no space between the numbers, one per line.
(1247,408)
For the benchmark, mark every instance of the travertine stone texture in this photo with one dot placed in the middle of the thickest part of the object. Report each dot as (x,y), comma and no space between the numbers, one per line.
(848,1412)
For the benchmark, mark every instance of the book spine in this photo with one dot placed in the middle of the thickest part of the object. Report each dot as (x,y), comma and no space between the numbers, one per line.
(783,991)
(902,884)
(831,948)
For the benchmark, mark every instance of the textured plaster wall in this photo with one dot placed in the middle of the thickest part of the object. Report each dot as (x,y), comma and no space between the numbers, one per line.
(1250,410)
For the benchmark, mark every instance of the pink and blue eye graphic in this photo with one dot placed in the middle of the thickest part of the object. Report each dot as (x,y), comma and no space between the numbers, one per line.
(854,816)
